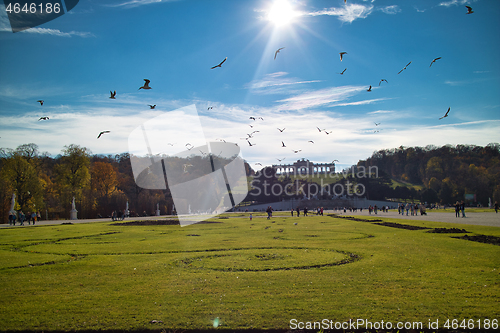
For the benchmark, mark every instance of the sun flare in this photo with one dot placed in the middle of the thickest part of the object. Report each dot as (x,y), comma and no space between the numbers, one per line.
(281,13)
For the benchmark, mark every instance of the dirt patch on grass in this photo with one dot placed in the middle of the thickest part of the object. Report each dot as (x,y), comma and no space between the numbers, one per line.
(401,226)
(493,240)
(354,218)
(448,231)
(148,222)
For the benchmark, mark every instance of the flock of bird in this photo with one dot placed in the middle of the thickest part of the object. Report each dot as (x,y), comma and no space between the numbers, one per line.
(188,146)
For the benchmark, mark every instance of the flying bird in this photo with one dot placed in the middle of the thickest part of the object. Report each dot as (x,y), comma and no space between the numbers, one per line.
(146,84)
(335,160)
(250,144)
(40,101)
(296,151)
(311,141)
(342,73)
(281,159)
(469,10)
(446,114)
(376,124)
(258,164)
(369,89)
(43,118)
(405,67)
(282,144)
(433,61)
(382,80)
(113,94)
(277,51)
(152,106)
(318,128)
(281,130)
(102,133)
(189,146)
(328,132)
(219,65)
(342,55)
(253,118)
(210,108)
(261,118)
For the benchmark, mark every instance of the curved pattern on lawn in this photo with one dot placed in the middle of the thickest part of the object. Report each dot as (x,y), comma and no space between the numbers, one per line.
(267,259)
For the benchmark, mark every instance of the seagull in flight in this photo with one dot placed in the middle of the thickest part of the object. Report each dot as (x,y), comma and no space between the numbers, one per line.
(152,106)
(311,141)
(146,84)
(102,133)
(258,163)
(342,73)
(219,65)
(261,118)
(43,118)
(113,94)
(318,128)
(250,144)
(376,124)
(335,160)
(281,130)
(342,55)
(189,146)
(277,51)
(433,61)
(446,114)
(382,80)
(369,89)
(210,108)
(405,67)
(282,144)
(469,10)
(281,159)
(253,118)
(328,132)
(296,151)
(40,101)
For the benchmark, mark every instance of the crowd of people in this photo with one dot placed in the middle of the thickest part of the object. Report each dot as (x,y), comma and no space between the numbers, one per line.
(412,208)
(30,217)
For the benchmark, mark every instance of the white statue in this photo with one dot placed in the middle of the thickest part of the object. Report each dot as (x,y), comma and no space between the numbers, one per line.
(13,203)
(73,212)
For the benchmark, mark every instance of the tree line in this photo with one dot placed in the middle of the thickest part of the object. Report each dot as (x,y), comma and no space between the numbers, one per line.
(100,184)
(445,174)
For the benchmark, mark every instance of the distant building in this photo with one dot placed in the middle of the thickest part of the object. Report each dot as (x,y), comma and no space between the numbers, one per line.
(304,167)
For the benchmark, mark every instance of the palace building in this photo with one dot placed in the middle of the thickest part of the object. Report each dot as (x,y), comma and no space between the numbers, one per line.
(304,167)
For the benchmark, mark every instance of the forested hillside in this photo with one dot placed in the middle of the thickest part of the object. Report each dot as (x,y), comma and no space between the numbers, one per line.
(446,173)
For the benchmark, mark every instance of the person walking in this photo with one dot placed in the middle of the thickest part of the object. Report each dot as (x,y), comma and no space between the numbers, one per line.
(298,211)
(457,209)
(269,211)
(291,211)
(33,217)
(462,208)
(496,206)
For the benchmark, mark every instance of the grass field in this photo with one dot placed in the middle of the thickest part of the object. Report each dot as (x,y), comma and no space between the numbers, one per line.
(243,274)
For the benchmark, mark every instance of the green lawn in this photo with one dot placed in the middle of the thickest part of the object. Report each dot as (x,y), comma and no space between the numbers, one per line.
(249,274)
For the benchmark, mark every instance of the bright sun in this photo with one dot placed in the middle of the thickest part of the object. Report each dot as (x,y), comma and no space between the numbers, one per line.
(281,13)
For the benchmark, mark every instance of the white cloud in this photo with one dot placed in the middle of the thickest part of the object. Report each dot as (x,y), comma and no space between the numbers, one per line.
(453,3)
(322,97)
(348,13)
(275,83)
(394,9)
(136,3)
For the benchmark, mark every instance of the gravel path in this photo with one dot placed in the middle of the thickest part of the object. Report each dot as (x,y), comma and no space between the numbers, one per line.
(487,219)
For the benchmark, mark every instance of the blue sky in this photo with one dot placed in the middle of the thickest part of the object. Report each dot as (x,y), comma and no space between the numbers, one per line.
(74,61)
